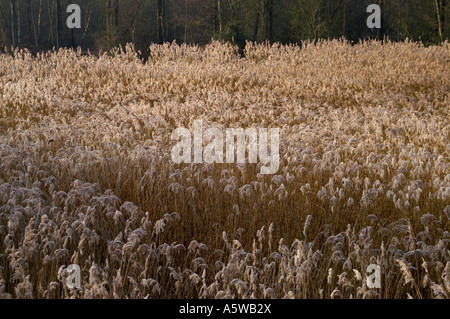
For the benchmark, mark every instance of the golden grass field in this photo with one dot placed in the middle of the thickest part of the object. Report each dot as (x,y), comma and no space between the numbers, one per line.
(86,175)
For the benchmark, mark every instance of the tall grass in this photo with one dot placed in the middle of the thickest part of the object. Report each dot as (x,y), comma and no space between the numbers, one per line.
(86,175)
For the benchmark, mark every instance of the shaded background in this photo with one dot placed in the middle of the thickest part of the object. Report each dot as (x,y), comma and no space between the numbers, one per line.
(41,24)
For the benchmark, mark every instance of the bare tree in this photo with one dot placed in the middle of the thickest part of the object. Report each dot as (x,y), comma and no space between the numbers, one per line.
(186,21)
(51,9)
(58,23)
(13,21)
(256,25)
(439,20)
(161,20)
(18,22)
(344,17)
(116,13)
(31,29)
(219,14)
(39,23)
(87,22)
(3,28)
(268,20)
(136,15)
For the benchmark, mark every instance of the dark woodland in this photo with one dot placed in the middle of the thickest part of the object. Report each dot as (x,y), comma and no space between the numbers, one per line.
(41,24)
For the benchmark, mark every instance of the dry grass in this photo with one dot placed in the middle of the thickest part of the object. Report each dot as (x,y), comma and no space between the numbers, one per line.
(86,175)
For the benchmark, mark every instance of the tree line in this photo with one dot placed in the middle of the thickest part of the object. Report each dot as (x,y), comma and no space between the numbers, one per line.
(41,24)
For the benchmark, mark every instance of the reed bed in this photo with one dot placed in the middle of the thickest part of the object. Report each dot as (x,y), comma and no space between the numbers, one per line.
(86,175)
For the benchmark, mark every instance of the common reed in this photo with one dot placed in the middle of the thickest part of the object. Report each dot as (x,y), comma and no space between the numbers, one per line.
(86,175)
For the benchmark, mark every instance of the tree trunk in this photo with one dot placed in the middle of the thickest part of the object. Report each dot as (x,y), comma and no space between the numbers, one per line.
(256,27)
(380,31)
(72,38)
(108,18)
(39,23)
(161,19)
(58,23)
(439,21)
(31,29)
(268,19)
(445,18)
(28,30)
(344,20)
(3,30)
(87,22)
(136,15)
(51,34)
(13,21)
(219,14)
(185,21)
(116,12)
(18,22)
